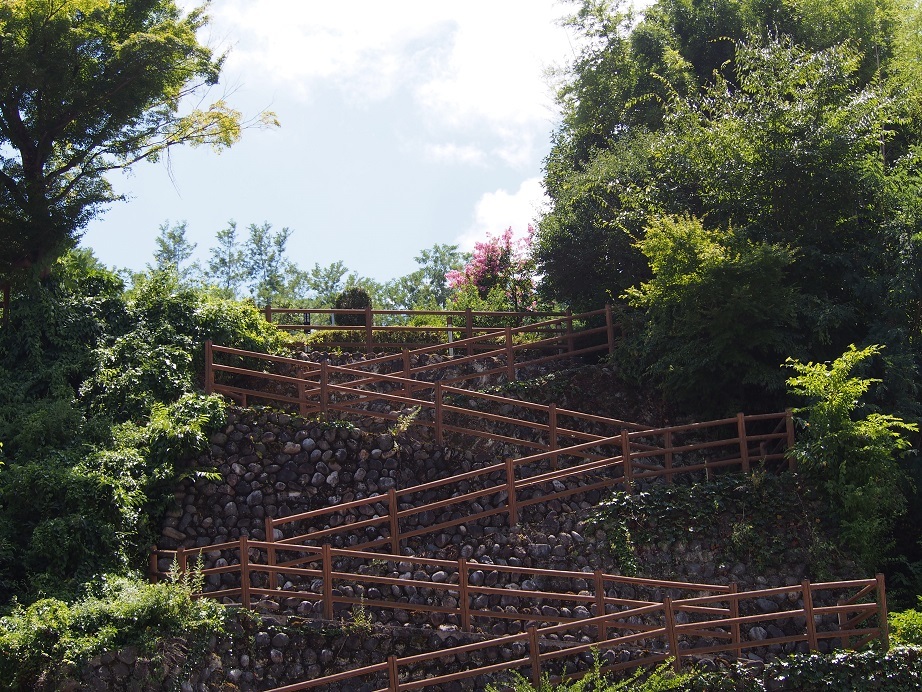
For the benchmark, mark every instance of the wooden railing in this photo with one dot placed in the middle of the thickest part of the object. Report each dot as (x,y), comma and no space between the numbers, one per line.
(568,455)
(705,618)
(722,623)
(558,331)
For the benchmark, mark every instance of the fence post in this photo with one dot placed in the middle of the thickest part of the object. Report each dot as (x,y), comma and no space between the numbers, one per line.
(668,442)
(393,681)
(267,312)
(671,635)
(181,561)
(209,368)
(510,356)
(439,437)
(323,387)
(808,614)
(610,324)
(569,331)
(735,613)
(744,442)
(882,612)
(535,655)
(789,428)
(369,329)
(626,460)
(463,596)
(602,630)
(395,526)
(469,330)
(327,581)
(244,573)
(302,393)
(510,489)
(152,568)
(451,338)
(552,434)
(270,553)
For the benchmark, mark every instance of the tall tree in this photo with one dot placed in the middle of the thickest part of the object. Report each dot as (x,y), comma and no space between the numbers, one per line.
(268,269)
(226,262)
(173,249)
(431,278)
(88,87)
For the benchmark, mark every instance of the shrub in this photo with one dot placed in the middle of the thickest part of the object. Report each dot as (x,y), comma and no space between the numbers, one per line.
(853,459)
(352,299)
(42,644)
(906,627)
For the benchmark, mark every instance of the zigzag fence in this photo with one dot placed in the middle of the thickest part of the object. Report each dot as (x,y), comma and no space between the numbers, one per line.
(680,623)
(667,638)
(463,329)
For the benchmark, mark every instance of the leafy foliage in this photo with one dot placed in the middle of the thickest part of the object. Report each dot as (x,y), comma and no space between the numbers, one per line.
(661,679)
(352,299)
(855,459)
(90,86)
(719,314)
(99,414)
(906,627)
(44,643)
(760,519)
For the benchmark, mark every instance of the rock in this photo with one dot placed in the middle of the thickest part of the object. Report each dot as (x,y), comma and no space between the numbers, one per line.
(291,448)
(170,532)
(280,640)
(276,656)
(541,551)
(758,634)
(255,498)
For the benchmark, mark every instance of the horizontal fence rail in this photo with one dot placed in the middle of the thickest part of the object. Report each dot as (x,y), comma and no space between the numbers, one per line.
(565,461)
(462,329)
(680,624)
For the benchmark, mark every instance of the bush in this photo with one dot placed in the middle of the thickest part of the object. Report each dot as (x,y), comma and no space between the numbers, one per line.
(853,459)
(42,645)
(352,299)
(906,627)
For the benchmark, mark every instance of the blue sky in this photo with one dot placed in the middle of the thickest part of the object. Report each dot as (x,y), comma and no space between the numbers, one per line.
(403,124)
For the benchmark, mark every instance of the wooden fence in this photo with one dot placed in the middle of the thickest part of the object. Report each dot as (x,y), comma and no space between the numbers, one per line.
(670,627)
(527,481)
(725,623)
(467,326)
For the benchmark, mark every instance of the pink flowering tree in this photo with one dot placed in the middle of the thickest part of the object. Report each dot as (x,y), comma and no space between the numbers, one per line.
(500,275)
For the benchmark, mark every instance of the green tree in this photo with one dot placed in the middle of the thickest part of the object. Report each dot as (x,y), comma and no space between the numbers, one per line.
(226,266)
(88,87)
(326,283)
(720,315)
(855,459)
(268,269)
(428,285)
(173,249)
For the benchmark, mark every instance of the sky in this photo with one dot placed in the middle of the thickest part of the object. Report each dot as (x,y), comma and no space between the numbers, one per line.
(403,124)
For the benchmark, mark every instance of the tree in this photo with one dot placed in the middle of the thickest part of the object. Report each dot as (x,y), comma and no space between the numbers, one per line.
(431,282)
(500,275)
(268,270)
(173,249)
(326,282)
(226,263)
(88,87)
(719,316)
(854,459)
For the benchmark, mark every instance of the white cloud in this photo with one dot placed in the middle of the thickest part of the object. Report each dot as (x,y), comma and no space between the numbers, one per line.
(456,153)
(464,68)
(497,211)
